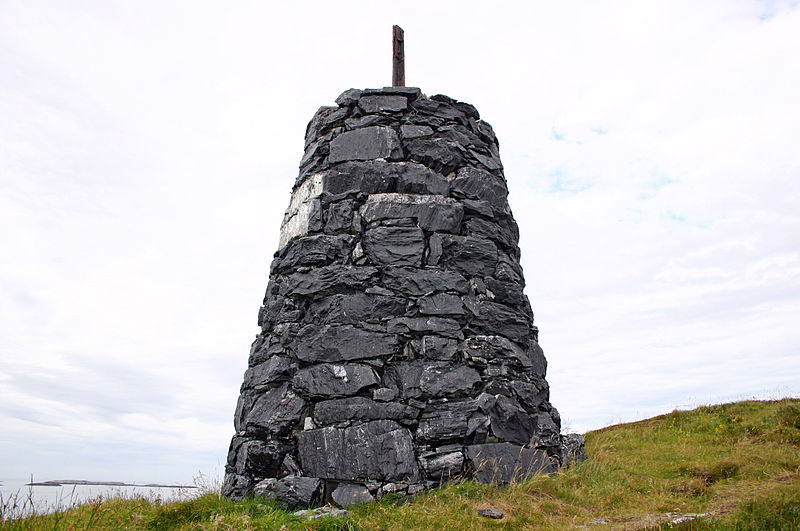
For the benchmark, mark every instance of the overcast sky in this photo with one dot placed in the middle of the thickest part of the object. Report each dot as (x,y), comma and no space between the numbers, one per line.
(147,154)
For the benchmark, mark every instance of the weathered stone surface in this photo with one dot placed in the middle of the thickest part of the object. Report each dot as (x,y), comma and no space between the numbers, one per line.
(432,212)
(436,153)
(347,494)
(332,343)
(261,458)
(327,380)
(440,325)
(473,183)
(318,250)
(446,421)
(368,143)
(329,279)
(470,256)
(379,176)
(425,379)
(397,346)
(291,492)
(354,308)
(394,246)
(348,97)
(441,304)
(497,348)
(493,317)
(359,408)
(382,103)
(531,395)
(419,282)
(506,462)
(275,369)
(276,411)
(445,463)
(510,422)
(439,348)
(303,211)
(415,131)
(380,450)
(340,217)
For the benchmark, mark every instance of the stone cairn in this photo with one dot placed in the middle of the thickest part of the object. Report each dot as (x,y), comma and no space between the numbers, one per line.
(397,349)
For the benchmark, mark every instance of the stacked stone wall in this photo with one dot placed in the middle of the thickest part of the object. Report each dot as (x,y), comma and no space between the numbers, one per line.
(397,348)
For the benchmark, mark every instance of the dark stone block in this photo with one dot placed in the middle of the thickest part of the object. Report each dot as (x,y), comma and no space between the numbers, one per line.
(426,379)
(484,208)
(468,255)
(497,348)
(510,422)
(378,176)
(432,212)
(489,162)
(506,462)
(508,293)
(318,250)
(274,369)
(348,97)
(438,325)
(531,395)
(415,131)
(441,304)
(276,411)
(496,318)
(340,216)
(368,143)
(314,125)
(373,103)
(445,463)
(508,269)
(439,348)
(548,429)
(419,282)
(367,121)
(333,343)
(410,92)
(236,486)
(472,183)
(394,246)
(380,450)
(329,279)
(353,308)
(328,380)
(347,494)
(359,408)
(444,110)
(436,153)
(445,421)
(291,492)
(491,230)
(261,458)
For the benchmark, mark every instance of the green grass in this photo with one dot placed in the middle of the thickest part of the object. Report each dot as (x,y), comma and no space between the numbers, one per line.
(738,462)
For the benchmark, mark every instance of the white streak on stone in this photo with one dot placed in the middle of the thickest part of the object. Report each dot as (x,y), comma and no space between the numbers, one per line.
(295,221)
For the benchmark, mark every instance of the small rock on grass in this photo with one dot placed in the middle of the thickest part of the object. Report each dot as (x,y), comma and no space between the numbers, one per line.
(321,512)
(491,513)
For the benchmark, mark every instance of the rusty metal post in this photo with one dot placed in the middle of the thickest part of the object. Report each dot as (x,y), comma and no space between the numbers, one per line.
(398,58)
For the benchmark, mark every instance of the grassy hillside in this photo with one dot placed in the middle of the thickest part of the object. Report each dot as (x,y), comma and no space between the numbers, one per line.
(739,464)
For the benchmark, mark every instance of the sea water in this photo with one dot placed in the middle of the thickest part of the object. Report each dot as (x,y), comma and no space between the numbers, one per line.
(18,499)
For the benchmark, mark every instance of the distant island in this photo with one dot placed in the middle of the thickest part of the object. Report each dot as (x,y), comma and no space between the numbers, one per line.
(62,482)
